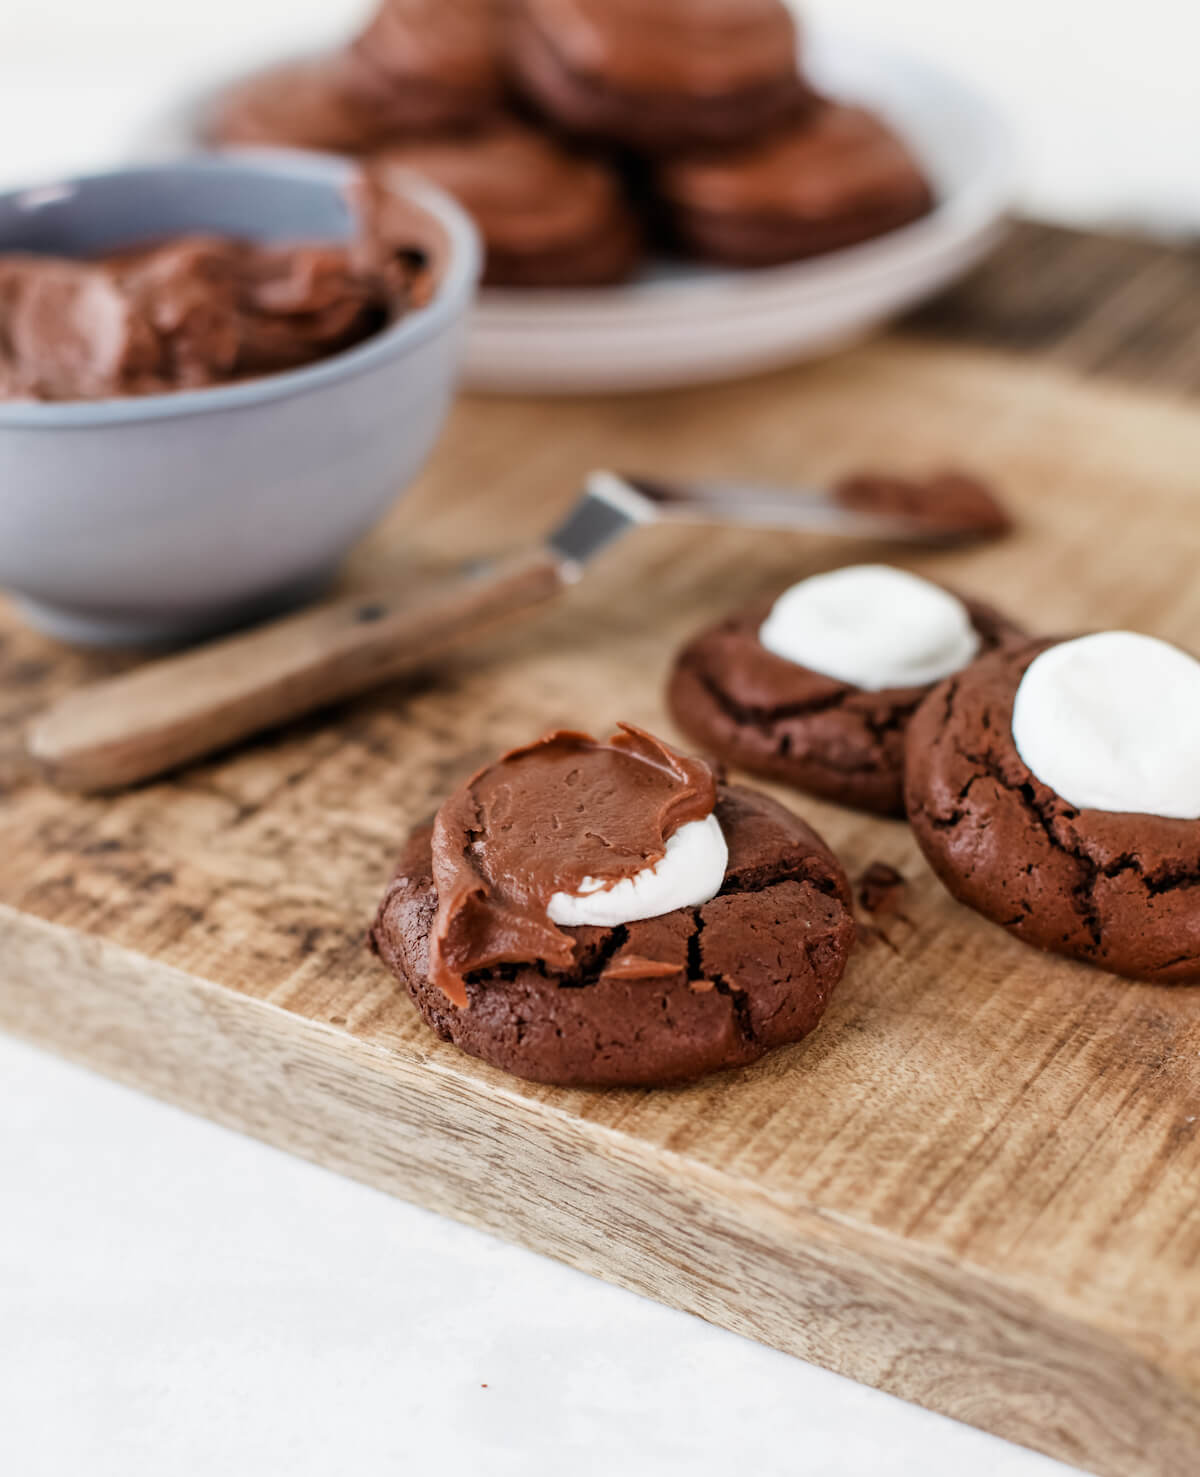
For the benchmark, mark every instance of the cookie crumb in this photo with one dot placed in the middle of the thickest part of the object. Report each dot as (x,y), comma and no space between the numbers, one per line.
(880,888)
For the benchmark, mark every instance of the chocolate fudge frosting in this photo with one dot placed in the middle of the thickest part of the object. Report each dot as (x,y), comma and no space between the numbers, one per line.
(456,43)
(329,103)
(547,214)
(847,160)
(539,821)
(192,312)
(704,47)
(954,501)
(418,66)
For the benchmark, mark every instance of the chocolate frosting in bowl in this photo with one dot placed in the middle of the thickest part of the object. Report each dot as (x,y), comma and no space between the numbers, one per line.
(540,820)
(202,310)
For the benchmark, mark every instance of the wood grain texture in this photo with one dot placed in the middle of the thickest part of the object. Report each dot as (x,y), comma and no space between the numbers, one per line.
(149,721)
(1121,306)
(975,1186)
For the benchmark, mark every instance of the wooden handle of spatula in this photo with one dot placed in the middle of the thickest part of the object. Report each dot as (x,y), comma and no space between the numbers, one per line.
(179,708)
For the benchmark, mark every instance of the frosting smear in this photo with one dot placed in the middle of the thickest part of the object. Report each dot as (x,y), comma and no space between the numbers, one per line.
(567,817)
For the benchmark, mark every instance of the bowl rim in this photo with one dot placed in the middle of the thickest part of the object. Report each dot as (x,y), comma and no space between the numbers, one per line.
(452,297)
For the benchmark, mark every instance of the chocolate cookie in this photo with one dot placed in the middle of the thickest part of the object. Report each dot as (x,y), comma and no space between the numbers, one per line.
(549,217)
(432,65)
(658,77)
(774,717)
(661,999)
(419,66)
(820,185)
(1116,890)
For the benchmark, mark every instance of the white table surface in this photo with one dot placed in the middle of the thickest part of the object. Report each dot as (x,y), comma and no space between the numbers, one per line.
(179,1301)
(175,1299)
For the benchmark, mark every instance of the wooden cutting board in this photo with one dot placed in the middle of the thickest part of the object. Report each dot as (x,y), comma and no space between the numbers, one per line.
(978,1186)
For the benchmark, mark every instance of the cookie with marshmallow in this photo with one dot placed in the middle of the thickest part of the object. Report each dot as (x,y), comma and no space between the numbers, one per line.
(1055,788)
(816,688)
(609,913)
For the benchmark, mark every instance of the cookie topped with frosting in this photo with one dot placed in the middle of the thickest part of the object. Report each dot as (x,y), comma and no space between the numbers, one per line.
(419,66)
(842,177)
(675,74)
(549,215)
(564,818)
(602,913)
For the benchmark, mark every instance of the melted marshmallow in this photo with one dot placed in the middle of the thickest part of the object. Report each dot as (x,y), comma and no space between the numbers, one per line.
(691,871)
(1112,722)
(872,626)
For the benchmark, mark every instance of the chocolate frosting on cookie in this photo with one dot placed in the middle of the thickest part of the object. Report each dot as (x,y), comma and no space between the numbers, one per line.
(456,43)
(698,46)
(539,821)
(418,66)
(545,211)
(846,160)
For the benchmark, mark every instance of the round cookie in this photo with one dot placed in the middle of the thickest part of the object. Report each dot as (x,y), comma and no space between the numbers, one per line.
(319,103)
(817,186)
(1117,890)
(436,65)
(750,970)
(549,217)
(773,717)
(418,66)
(670,75)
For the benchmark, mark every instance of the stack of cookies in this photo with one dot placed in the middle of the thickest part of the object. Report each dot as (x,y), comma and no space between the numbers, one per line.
(583,134)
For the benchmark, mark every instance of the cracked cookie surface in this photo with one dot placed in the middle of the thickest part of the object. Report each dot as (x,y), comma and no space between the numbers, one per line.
(1120,891)
(661,999)
(773,717)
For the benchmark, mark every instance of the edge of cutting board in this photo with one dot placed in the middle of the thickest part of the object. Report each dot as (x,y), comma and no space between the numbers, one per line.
(833,1291)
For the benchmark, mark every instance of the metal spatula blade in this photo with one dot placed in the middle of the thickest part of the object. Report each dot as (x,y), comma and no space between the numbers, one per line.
(612,503)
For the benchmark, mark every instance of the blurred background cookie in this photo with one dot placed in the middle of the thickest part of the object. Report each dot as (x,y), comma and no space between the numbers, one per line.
(837,179)
(419,66)
(318,103)
(549,217)
(432,65)
(725,151)
(662,76)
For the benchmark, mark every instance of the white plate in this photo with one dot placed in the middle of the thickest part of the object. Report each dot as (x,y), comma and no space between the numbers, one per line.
(680,324)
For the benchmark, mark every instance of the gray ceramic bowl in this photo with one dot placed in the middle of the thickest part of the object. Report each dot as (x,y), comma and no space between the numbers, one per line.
(166,517)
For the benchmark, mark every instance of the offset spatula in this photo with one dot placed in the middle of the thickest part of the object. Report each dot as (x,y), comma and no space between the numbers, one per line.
(179,708)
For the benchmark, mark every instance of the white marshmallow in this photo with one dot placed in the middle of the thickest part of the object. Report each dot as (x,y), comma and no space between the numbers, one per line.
(1112,722)
(872,626)
(690,872)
